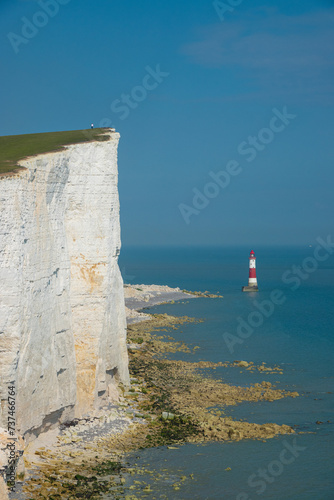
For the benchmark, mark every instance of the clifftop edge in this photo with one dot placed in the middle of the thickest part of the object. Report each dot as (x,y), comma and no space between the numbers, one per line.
(15,148)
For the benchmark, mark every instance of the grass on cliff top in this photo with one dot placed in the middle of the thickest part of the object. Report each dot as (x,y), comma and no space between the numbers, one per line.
(14,148)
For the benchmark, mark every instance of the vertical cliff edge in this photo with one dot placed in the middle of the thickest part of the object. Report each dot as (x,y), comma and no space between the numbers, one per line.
(62,315)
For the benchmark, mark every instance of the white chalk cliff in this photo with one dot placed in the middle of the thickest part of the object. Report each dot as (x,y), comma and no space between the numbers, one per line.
(62,315)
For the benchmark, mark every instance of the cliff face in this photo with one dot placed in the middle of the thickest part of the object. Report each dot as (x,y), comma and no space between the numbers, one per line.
(62,317)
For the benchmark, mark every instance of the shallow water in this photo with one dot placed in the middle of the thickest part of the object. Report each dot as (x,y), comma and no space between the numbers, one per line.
(297,335)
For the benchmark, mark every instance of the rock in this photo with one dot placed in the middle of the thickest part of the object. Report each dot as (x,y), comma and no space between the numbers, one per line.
(62,304)
(76,439)
(266,384)
(243,364)
(133,346)
(166,415)
(3,459)
(3,490)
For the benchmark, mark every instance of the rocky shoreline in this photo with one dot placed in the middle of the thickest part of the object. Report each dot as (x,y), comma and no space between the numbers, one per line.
(138,297)
(169,403)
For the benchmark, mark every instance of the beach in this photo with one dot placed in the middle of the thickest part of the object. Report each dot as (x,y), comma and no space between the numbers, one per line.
(170,402)
(64,448)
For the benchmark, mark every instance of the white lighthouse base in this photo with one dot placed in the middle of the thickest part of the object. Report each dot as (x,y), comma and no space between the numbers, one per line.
(250,288)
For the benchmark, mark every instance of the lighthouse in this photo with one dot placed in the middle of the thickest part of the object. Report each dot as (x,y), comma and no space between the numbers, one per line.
(252,281)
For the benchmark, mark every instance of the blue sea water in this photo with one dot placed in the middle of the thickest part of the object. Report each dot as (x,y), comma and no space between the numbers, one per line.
(297,333)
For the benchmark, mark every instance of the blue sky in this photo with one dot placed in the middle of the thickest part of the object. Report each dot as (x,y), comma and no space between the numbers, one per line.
(193,87)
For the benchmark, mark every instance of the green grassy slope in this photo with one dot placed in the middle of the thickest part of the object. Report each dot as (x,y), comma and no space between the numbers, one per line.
(16,147)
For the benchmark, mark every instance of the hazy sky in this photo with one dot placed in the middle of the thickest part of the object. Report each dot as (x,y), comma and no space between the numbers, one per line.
(225,108)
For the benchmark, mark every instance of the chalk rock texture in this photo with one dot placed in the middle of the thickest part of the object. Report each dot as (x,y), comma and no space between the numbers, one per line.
(3,490)
(62,315)
(11,459)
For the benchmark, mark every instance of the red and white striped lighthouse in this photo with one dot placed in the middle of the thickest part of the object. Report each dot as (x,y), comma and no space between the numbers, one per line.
(252,281)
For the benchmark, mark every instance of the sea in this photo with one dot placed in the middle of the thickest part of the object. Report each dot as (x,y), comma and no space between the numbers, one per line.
(288,322)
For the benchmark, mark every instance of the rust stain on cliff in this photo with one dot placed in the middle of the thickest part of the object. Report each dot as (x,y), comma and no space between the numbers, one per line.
(90,273)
